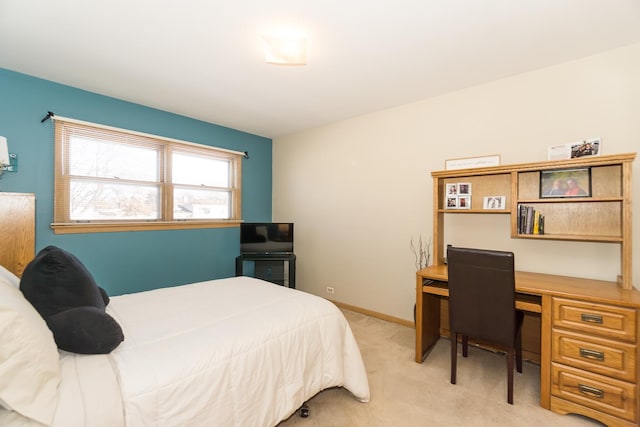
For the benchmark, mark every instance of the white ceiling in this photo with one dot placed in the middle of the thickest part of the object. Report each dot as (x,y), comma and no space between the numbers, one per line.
(202,58)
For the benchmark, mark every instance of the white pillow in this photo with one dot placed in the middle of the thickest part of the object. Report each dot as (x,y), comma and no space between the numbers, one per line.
(29,358)
(9,276)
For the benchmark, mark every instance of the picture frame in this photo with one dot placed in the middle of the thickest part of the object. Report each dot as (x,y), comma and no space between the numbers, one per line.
(464,189)
(472,162)
(464,202)
(451,190)
(572,150)
(452,202)
(586,148)
(561,183)
(494,202)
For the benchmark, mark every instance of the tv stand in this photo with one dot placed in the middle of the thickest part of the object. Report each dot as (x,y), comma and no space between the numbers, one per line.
(276,268)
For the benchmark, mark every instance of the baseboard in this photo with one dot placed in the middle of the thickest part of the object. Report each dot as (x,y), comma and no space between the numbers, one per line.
(375,314)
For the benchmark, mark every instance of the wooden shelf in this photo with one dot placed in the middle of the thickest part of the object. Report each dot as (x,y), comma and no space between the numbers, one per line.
(573,237)
(605,217)
(571,200)
(475,211)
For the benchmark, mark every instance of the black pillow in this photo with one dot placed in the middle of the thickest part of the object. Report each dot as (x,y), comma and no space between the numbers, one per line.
(65,294)
(85,330)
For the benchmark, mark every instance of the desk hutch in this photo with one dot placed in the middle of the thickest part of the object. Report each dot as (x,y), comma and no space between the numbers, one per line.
(583,332)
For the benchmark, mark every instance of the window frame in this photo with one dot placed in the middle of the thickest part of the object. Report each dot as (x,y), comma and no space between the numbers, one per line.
(62,224)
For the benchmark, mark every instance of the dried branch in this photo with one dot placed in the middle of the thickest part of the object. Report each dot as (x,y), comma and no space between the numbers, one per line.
(421,252)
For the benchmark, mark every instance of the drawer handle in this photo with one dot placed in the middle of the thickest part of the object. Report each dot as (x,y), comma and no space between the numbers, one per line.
(592,354)
(591,318)
(591,391)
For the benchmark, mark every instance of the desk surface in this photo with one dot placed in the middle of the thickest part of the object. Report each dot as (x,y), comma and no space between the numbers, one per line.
(549,284)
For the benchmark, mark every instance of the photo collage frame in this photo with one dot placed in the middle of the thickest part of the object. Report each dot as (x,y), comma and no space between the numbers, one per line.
(458,195)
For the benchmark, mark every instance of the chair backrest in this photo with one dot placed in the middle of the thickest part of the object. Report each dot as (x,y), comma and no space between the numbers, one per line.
(482,294)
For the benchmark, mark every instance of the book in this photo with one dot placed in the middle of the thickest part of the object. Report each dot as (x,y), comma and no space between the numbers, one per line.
(529,227)
(530,220)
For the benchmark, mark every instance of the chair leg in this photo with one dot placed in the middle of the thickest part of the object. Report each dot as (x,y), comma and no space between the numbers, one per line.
(519,352)
(465,345)
(510,355)
(454,356)
(519,321)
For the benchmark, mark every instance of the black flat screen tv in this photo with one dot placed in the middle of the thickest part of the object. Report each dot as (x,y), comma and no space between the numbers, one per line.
(266,238)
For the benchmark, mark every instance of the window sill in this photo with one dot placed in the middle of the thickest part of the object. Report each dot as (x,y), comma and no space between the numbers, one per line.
(112,227)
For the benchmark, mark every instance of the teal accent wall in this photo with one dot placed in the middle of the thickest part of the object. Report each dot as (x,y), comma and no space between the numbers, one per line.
(129,261)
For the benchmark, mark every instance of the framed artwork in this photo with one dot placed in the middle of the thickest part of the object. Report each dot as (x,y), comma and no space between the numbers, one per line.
(464,189)
(472,162)
(494,202)
(565,183)
(451,190)
(464,202)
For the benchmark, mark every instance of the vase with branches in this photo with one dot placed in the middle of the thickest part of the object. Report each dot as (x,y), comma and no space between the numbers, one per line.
(422,255)
(421,251)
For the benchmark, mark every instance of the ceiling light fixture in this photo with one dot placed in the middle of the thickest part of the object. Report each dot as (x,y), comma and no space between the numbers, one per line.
(285,50)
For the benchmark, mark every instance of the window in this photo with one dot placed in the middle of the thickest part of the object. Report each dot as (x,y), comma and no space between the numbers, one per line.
(109,179)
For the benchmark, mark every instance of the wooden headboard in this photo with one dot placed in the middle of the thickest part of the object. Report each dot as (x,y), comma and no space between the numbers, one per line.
(17,231)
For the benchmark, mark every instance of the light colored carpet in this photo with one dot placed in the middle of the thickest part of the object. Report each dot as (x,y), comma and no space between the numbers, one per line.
(405,393)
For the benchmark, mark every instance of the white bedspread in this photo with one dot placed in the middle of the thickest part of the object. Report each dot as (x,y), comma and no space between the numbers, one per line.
(232,352)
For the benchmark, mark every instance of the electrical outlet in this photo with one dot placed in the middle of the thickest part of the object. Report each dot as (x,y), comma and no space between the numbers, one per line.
(330,290)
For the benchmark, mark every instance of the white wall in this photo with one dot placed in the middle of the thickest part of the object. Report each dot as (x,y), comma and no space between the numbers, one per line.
(358,190)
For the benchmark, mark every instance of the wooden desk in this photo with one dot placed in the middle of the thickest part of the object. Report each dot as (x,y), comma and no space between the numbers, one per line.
(556,299)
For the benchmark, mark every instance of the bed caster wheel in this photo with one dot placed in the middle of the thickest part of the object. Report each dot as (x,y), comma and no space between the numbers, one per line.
(304,411)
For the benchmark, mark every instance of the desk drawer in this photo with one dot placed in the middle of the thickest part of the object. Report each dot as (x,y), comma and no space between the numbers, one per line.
(607,357)
(598,319)
(617,398)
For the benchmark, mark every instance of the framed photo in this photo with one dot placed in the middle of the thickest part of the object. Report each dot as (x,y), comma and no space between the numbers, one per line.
(472,162)
(464,202)
(464,189)
(589,147)
(572,150)
(451,190)
(494,202)
(452,202)
(565,183)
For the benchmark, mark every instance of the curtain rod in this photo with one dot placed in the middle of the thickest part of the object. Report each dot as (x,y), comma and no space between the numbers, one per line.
(52,116)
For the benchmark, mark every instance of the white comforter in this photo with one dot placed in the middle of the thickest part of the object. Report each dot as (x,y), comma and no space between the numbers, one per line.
(232,352)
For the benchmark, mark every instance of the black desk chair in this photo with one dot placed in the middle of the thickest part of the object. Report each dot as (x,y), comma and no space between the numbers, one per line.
(482,302)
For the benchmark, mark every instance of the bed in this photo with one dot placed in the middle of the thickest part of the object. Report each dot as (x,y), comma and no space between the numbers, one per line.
(228,352)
